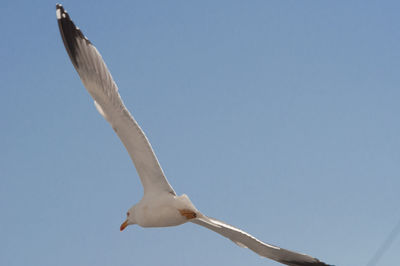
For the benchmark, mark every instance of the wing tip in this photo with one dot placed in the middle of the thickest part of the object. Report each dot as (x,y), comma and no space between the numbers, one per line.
(62,16)
(316,262)
(69,33)
(60,11)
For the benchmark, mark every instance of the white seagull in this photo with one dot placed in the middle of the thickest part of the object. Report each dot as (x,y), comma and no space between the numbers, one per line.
(160,206)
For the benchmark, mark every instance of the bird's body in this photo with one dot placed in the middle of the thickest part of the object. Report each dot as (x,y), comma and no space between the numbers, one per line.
(164,210)
(160,205)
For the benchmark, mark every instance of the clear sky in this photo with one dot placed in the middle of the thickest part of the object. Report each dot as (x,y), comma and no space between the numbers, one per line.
(278,117)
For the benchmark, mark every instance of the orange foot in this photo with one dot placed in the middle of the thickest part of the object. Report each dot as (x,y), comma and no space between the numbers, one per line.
(188,214)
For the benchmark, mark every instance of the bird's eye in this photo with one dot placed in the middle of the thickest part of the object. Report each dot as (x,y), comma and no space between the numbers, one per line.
(127,214)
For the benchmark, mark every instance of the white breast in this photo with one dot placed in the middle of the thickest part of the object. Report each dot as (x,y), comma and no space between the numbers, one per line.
(163,211)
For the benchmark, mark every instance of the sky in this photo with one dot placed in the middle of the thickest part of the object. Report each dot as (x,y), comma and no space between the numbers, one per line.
(278,117)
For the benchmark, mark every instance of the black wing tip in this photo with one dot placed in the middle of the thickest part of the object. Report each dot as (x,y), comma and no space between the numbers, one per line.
(69,33)
(61,13)
(302,263)
(63,17)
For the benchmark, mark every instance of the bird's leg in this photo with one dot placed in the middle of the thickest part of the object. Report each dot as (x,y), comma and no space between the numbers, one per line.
(188,213)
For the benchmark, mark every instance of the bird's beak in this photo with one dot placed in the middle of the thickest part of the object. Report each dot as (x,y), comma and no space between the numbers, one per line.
(123,225)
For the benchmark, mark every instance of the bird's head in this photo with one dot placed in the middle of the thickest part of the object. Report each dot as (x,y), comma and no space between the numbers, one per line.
(130,218)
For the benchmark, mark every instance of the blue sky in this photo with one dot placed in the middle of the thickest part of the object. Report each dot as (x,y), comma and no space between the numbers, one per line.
(279,117)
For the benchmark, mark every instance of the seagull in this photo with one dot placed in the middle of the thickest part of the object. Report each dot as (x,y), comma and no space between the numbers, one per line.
(160,205)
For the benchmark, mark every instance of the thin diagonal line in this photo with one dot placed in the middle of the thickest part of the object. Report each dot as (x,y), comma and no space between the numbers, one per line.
(385,245)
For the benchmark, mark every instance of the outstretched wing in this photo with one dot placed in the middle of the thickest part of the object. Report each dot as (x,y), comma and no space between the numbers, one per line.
(246,240)
(99,83)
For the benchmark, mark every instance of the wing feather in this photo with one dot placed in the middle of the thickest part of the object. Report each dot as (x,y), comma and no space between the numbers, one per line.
(99,83)
(246,240)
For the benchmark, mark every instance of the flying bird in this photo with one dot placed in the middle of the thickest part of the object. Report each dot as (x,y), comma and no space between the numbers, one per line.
(160,205)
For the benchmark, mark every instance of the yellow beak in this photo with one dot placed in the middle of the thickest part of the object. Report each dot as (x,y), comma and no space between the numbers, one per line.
(124,225)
